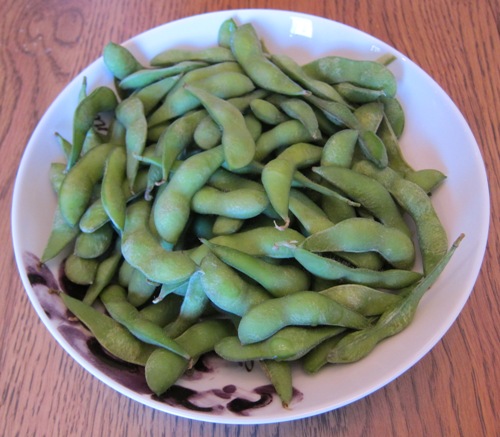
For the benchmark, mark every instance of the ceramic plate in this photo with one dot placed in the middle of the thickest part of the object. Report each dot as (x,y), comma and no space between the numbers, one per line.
(436,136)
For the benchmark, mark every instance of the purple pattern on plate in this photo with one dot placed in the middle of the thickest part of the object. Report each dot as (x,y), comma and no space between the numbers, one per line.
(230,397)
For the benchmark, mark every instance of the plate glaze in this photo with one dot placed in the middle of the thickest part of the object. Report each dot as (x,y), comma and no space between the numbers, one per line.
(436,136)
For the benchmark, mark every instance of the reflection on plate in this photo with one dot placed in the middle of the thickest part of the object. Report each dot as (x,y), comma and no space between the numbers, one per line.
(436,136)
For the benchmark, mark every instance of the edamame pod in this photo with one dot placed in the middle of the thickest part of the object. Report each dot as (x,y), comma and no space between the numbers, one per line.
(303,308)
(247,49)
(237,142)
(368,74)
(278,280)
(78,185)
(364,235)
(290,343)
(328,268)
(143,251)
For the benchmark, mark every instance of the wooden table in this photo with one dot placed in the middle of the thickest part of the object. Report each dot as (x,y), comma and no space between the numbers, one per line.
(452,391)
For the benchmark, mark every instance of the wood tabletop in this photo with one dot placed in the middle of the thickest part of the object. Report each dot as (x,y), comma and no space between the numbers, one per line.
(452,391)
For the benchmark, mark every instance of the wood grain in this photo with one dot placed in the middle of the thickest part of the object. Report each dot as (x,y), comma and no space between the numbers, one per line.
(452,391)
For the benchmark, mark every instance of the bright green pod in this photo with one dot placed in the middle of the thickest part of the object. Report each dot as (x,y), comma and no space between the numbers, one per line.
(61,235)
(237,141)
(243,203)
(211,55)
(328,268)
(277,279)
(112,336)
(360,235)
(395,319)
(113,198)
(145,77)
(94,244)
(247,49)
(78,185)
(367,74)
(80,271)
(226,289)
(304,308)
(101,99)
(114,299)
(164,368)
(288,344)
(130,113)
(120,61)
(144,251)
(432,237)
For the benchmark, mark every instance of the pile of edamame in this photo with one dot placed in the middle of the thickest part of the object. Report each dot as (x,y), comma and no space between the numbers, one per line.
(241,203)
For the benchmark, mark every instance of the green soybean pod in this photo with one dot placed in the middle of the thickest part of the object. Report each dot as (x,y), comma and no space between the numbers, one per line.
(176,137)
(80,271)
(300,110)
(225,33)
(247,49)
(207,134)
(371,194)
(365,300)
(142,249)
(162,312)
(304,308)
(78,185)
(115,301)
(317,357)
(243,203)
(151,95)
(267,112)
(370,115)
(336,112)
(279,374)
(172,206)
(64,144)
(113,198)
(211,55)
(110,334)
(395,319)
(237,142)
(395,114)
(357,94)
(432,237)
(61,235)
(278,174)
(368,74)
(297,73)
(104,274)
(282,135)
(147,76)
(94,244)
(140,289)
(225,226)
(278,280)
(360,235)
(339,148)
(428,179)
(164,368)
(130,113)
(328,268)
(226,289)
(120,61)
(179,101)
(395,156)
(288,344)
(101,99)
(194,304)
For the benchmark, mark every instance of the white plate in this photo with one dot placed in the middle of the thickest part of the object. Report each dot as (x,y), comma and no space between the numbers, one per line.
(436,136)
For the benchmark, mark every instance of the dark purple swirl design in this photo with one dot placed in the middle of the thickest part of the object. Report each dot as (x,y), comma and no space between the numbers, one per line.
(215,401)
